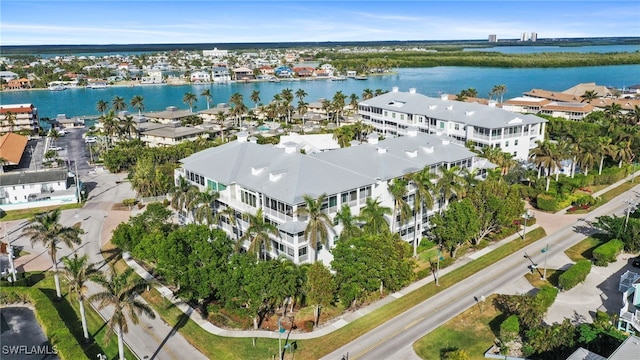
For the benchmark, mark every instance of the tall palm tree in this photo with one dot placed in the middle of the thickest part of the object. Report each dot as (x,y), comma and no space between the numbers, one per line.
(423,185)
(367,94)
(221,117)
(613,112)
(545,156)
(46,229)
(10,119)
(102,106)
(589,96)
(622,152)
(586,154)
(78,271)
(118,103)
(301,94)
(318,224)
(604,148)
(499,90)
(204,207)
(128,126)
(338,104)
(110,125)
(239,108)
(190,98)
(255,97)
(207,95)
(258,234)
(185,197)
(449,184)
(287,98)
(398,190)
(120,293)
(137,102)
(343,135)
(353,103)
(373,216)
(349,223)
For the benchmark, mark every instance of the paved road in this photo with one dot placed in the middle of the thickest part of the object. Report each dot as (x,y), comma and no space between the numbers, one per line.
(394,339)
(152,338)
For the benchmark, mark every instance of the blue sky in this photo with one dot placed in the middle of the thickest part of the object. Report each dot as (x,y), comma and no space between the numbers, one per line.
(28,22)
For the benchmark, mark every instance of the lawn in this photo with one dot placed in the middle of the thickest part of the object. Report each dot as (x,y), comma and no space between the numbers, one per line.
(29,213)
(472,331)
(584,249)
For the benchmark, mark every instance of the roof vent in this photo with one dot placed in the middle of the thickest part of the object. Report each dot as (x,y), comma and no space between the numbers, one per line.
(444,97)
(395,89)
(412,131)
(450,107)
(446,141)
(411,153)
(412,90)
(253,140)
(492,104)
(275,176)
(256,170)
(469,112)
(243,136)
(289,147)
(428,149)
(515,120)
(433,107)
(382,150)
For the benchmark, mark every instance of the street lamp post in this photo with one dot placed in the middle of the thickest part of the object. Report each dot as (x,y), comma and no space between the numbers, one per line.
(630,206)
(12,268)
(526,216)
(545,251)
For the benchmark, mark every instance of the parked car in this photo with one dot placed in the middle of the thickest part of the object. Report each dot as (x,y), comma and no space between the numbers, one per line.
(55,148)
(635,261)
(90,139)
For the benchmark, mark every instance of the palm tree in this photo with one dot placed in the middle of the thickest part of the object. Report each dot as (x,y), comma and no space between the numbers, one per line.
(621,151)
(367,94)
(545,156)
(258,234)
(128,126)
(604,148)
(499,90)
(398,190)
(189,98)
(204,207)
(255,97)
(287,98)
(633,116)
(343,135)
(423,184)
(613,111)
(588,96)
(78,271)
(350,227)
(110,125)
(373,216)
(102,106)
(137,102)
(318,224)
(221,117)
(239,108)
(585,151)
(118,103)
(185,197)
(120,292)
(353,103)
(301,94)
(46,229)
(10,119)
(449,184)
(207,95)
(338,104)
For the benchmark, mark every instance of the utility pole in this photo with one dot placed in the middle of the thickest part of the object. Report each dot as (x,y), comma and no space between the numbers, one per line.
(12,268)
(545,251)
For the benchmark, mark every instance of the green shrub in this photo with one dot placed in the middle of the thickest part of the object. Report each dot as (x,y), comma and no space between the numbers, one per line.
(546,296)
(610,175)
(509,329)
(129,202)
(607,252)
(585,200)
(548,202)
(574,275)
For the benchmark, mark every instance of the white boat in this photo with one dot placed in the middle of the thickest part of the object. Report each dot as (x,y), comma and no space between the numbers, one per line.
(338,78)
(361,77)
(97,86)
(57,87)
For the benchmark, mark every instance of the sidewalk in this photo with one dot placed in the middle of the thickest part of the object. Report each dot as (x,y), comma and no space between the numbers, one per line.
(551,223)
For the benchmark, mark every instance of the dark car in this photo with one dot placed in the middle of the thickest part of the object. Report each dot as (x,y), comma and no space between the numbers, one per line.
(635,262)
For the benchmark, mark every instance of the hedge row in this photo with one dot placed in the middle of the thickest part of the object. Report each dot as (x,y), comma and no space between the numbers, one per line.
(546,296)
(607,252)
(575,274)
(550,202)
(48,318)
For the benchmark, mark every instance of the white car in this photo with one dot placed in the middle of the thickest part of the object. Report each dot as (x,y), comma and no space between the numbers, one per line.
(55,148)
(90,139)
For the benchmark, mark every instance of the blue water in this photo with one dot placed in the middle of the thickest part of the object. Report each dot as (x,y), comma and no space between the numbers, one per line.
(428,81)
(554,49)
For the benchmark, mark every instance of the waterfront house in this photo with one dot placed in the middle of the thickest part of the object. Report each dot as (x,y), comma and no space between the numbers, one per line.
(220,75)
(25,118)
(18,84)
(249,176)
(169,134)
(565,110)
(242,74)
(395,112)
(169,115)
(629,286)
(200,77)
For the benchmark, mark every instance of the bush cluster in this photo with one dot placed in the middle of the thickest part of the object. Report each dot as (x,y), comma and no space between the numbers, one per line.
(607,252)
(509,329)
(546,296)
(551,202)
(576,274)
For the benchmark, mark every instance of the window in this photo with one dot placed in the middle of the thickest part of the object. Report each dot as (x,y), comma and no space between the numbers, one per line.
(302,251)
(248,198)
(441,124)
(365,192)
(401,116)
(393,115)
(515,142)
(456,126)
(506,144)
(386,113)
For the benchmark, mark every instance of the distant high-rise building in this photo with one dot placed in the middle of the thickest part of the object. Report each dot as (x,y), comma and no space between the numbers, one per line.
(534,36)
(523,37)
(493,38)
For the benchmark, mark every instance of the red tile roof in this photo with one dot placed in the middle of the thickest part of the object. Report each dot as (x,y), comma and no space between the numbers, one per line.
(12,146)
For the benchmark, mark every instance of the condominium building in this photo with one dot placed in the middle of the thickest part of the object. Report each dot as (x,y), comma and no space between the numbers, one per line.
(395,112)
(24,117)
(249,177)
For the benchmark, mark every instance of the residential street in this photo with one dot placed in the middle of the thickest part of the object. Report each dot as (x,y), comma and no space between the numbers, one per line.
(152,338)
(394,339)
